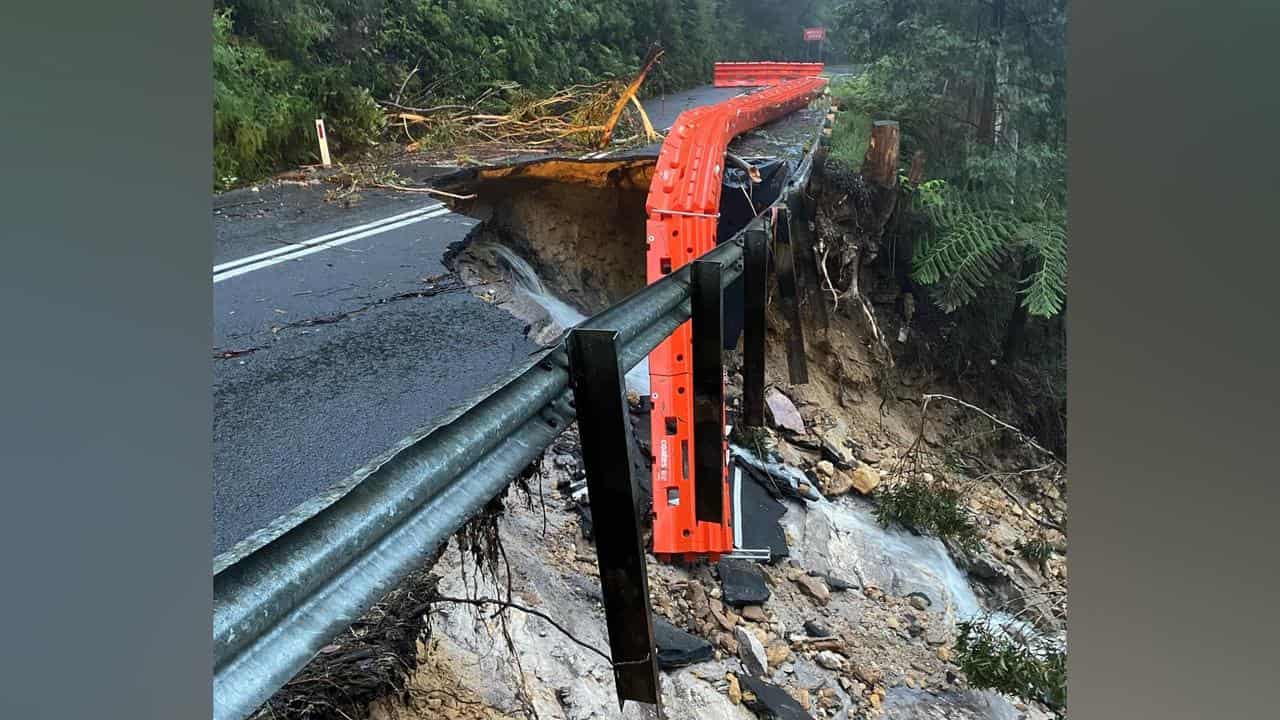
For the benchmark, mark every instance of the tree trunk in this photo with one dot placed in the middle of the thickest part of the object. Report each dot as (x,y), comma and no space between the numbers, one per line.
(987,111)
(917,168)
(1015,333)
(880,165)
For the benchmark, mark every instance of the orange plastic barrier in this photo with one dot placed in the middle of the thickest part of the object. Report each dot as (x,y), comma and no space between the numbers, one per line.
(683,208)
(758,74)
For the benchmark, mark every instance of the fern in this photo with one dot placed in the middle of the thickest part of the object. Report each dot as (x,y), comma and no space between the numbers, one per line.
(969,242)
(1046,288)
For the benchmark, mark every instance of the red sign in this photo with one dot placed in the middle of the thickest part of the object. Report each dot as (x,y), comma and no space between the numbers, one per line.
(815,34)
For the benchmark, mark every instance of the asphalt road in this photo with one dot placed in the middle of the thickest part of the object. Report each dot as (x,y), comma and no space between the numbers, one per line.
(337,331)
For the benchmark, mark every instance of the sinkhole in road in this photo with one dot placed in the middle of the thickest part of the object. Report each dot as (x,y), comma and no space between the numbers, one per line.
(559,240)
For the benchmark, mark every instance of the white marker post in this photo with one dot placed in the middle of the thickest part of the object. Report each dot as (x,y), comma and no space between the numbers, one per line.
(324,142)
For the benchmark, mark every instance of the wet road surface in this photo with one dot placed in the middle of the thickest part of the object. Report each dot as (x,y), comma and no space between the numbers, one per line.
(338,331)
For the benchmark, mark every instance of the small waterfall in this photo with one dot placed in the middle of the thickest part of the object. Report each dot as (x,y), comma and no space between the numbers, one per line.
(526,280)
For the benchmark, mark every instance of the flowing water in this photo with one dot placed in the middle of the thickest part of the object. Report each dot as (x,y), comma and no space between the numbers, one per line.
(526,281)
(837,537)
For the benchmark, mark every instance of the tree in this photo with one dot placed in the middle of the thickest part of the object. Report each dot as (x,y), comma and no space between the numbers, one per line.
(980,86)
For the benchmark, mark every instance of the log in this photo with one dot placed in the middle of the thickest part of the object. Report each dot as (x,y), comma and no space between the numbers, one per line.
(880,165)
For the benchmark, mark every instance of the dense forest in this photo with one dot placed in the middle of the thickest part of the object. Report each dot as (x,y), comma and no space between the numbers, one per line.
(278,64)
(979,90)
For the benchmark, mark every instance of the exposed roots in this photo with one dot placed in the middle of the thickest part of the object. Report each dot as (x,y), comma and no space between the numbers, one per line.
(372,660)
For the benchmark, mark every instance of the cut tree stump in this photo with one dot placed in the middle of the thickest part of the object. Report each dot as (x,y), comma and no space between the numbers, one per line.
(881,162)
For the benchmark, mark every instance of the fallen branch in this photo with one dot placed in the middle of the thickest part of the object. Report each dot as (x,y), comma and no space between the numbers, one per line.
(1021,435)
(428,191)
(651,58)
(1039,520)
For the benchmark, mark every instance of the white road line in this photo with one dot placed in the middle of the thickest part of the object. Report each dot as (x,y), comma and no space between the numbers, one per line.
(307,250)
(292,247)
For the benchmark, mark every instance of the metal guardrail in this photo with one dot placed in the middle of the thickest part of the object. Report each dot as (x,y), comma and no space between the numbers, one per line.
(277,604)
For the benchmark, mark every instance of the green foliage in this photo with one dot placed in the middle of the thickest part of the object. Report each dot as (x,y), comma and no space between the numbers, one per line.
(260,112)
(928,509)
(969,240)
(290,61)
(1035,550)
(264,109)
(980,87)
(950,73)
(851,129)
(992,660)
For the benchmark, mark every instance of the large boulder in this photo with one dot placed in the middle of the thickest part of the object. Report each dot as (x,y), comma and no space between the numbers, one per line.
(783,412)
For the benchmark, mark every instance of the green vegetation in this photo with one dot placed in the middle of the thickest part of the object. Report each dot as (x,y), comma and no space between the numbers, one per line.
(992,660)
(980,87)
(1035,550)
(928,509)
(852,128)
(279,64)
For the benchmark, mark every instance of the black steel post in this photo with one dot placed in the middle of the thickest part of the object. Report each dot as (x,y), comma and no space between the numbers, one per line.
(755,281)
(784,265)
(600,401)
(803,211)
(708,391)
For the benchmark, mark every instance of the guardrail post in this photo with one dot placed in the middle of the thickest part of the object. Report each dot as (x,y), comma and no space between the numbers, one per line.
(804,211)
(708,391)
(755,286)
(785,266)
(600,401)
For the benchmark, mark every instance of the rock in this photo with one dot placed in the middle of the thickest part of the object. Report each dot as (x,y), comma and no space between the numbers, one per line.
(722,619)
(831,660)
(783,412)
(838,453)
(944,654)
(754,613)
(868,674)
(817,629)
(824,469)
(831,643)
(919,601)
(865,480)
(836,584)
(871,456)
(801,696)
(904,702)
(839,483)
(777,654)
(677,648)
(751,652)
(845,539)
(697,597)
(815,587)
(771,701)
(727,642)
(734,692)
(742,582)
